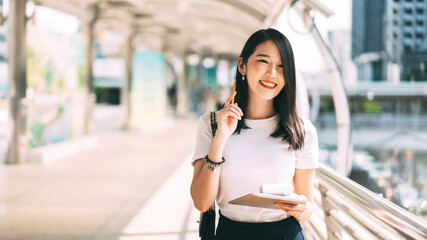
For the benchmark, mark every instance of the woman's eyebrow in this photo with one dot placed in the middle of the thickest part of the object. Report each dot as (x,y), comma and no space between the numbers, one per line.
(262,55)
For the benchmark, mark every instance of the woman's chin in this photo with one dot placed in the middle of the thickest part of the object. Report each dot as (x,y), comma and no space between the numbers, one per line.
(266,97)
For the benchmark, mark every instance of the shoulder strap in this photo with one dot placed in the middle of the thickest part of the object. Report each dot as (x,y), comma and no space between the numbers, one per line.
(213,123)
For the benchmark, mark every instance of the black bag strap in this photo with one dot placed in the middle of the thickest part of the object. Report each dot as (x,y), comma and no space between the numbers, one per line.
(207,219)
(214,127)
(213,123)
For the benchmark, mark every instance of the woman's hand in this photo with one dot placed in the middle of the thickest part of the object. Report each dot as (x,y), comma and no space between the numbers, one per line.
(292,209)
(228,117)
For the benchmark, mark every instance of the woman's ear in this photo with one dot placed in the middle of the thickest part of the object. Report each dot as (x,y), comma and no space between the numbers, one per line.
(241,66)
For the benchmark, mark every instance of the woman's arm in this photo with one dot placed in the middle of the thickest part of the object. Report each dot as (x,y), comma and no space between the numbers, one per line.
(204,186)
(303,186)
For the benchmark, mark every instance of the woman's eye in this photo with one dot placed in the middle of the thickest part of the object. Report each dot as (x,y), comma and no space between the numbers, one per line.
(280,65)
(262,61)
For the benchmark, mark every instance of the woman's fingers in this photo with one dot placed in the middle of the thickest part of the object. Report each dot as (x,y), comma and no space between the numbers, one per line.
(236,108)
(230,98)
(227,112)
(286,206)
(231,113)
(292,206)
(235,111)
(292,210)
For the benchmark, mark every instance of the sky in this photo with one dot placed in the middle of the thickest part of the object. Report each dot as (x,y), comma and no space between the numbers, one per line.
(307,57)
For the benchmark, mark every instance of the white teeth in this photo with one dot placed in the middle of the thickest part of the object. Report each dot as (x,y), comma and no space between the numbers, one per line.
(268,84)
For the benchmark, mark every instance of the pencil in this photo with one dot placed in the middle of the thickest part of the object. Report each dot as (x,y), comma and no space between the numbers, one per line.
(234,90)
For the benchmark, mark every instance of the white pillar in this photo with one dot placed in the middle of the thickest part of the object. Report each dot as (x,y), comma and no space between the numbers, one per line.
(344,145)
(126,89)
(90,102)
(182,105)
(17,134)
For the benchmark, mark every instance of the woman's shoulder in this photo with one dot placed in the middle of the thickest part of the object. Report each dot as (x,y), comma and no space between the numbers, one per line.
(205,119)
(205,116)
(308,125)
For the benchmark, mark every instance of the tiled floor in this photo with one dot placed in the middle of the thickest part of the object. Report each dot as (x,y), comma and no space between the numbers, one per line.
(135,185)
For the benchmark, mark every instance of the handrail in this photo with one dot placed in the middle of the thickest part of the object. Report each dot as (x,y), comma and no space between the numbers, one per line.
(382,218)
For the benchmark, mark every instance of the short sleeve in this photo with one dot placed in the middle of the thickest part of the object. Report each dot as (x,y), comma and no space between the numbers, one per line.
(308,156)
(203,138)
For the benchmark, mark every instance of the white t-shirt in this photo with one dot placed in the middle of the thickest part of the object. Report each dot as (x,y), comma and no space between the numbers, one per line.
(253,158)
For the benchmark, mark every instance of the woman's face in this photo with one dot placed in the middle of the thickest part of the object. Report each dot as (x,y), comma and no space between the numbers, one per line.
(264,72)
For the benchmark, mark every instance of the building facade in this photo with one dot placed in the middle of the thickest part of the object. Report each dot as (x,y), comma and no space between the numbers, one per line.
(389,40)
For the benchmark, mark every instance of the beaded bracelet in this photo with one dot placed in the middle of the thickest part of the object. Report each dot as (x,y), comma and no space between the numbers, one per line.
(212,165)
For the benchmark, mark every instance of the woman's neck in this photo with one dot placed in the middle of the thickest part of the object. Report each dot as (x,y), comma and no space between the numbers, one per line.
(260,109)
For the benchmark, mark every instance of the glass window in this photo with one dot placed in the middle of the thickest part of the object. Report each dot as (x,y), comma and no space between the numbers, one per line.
(408,23)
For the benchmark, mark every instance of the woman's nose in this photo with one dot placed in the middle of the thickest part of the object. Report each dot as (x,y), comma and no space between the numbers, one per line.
(271,72)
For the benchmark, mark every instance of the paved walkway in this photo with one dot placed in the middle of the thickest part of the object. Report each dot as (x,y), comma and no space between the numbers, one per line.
(135,185)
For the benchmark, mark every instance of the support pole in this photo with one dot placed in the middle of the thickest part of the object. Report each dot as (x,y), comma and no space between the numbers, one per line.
(126,89)
(182,94)
(90,102)
(17,137)
(344,145)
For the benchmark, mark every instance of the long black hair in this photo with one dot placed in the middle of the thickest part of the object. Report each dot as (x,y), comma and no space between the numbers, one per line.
(290,127)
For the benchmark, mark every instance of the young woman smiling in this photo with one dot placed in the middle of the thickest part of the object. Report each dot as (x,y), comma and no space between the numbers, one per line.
(260,140)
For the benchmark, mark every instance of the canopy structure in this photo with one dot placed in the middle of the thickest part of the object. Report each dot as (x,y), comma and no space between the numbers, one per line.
(215,28)
(218,27)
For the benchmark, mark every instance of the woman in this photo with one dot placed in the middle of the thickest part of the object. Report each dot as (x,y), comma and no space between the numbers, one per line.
(260,140)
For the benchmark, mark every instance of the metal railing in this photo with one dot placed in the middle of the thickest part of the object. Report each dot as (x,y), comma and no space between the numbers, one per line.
(347,210)
(377,121)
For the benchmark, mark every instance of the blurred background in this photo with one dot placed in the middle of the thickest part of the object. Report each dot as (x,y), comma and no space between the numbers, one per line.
(99,102)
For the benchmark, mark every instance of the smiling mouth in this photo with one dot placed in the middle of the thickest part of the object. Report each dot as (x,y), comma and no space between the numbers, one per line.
(268,84)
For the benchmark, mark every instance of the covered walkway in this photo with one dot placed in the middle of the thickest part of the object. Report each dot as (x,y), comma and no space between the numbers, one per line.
(132,182)
(132,186)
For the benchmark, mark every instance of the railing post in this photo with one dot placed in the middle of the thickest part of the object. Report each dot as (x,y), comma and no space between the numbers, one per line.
(334,233)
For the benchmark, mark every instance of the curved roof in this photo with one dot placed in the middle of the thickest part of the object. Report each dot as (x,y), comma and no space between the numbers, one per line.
(218,27)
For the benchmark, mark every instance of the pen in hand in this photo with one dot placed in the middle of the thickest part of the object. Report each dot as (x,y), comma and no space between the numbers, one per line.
(234,90)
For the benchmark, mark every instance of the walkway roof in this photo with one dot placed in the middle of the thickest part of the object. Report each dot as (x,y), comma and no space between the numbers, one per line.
(217,27)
